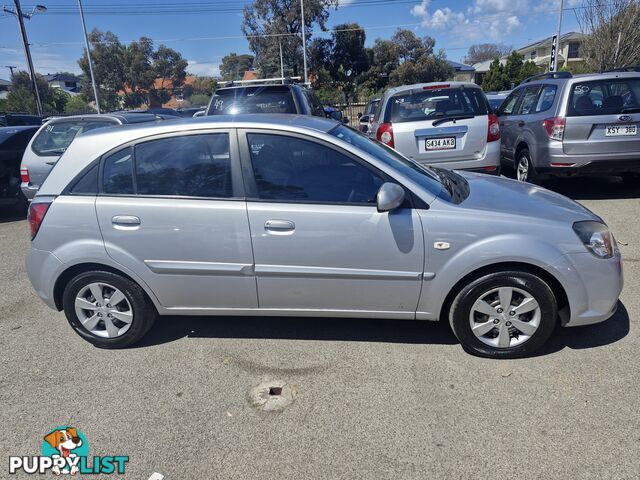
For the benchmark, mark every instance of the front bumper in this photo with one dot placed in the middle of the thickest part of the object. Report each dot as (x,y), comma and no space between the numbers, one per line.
(593,293)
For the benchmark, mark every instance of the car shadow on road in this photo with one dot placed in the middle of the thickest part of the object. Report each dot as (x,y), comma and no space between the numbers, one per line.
(170,328)
(592,188)
(9,215)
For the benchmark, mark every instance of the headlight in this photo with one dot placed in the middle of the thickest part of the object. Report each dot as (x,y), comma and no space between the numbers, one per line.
(596,237)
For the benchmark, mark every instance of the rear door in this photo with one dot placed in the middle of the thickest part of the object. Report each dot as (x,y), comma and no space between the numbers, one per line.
(424,127)
(603,116)
(172,210)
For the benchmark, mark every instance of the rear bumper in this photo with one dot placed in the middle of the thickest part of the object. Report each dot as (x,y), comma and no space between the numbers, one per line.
(28,190)
(551,160)
(489,162)
(43,269)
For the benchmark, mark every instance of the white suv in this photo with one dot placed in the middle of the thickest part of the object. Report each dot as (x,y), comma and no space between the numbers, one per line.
(446,124)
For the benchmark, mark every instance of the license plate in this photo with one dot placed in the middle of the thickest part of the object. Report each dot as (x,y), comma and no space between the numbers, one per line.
(447,143)
(620,130)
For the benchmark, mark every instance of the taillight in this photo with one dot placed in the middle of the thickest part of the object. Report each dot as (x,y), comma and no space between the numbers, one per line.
(37,211)
(554,127)
(493,132)
(385,134)
(24,175)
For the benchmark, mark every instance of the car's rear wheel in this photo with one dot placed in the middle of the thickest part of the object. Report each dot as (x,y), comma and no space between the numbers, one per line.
(524,170)
(107,309)
(504,314)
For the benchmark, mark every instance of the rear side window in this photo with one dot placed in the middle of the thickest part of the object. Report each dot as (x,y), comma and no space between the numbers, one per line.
(56,137)
(434,103)
(608,96)
(88,183)
(290,169)
(314,102)
(546,98)
(190,165)
(117,174)
(236,101)
(509,103)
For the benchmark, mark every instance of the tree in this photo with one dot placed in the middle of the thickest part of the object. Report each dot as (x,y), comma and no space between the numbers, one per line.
(512,73)
(108,56)
(495,79)
(21,98)
(612,33)
(233,66)
(77,104)
(269,23)
(139,73)
(482,52)
(417,62)
(348,57)
(170,69)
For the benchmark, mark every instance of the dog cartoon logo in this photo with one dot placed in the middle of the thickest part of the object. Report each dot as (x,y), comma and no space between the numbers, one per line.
(66,443)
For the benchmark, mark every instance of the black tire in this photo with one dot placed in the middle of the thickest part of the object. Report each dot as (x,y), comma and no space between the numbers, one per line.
(631,180)
(461,309)
(524,156)
(144,312)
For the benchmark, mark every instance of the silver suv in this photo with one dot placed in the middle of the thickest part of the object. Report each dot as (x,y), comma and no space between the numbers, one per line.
(302,216)
(446,124)
(558,125)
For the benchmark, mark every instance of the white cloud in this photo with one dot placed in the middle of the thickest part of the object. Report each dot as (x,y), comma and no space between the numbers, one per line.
(484,20)
(203,68)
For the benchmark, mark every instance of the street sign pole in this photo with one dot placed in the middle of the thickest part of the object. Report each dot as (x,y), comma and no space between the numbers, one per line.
(27,54)
(304,44)
(553,56)
(554,60)
(86,43)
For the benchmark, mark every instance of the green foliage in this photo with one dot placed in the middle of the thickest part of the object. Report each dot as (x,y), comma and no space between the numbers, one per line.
(273,17)
(512,73)
(495,79)
(233,66)
(77,104)
(199,99)
(22,99)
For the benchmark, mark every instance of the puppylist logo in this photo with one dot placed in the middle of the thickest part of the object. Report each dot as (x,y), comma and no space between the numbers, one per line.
(65,451)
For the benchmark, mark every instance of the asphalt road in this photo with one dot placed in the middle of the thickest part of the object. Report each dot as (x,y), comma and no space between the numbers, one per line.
(375,399)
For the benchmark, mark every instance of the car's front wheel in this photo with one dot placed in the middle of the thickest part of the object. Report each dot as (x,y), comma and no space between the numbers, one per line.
(107,309)
(504,314)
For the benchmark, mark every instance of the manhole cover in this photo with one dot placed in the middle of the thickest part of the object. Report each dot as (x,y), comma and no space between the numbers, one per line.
(272,396)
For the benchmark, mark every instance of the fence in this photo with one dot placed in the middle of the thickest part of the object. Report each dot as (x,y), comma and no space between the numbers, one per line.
(351,110)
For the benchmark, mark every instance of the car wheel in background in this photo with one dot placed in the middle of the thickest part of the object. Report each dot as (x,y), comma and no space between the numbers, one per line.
(504,315)
(107,309)
(524,171)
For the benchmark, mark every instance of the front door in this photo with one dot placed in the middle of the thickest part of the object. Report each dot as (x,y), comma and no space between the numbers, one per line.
(171,209)
(319,243)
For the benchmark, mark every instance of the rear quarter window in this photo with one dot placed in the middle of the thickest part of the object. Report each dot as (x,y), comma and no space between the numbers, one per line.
(412,106)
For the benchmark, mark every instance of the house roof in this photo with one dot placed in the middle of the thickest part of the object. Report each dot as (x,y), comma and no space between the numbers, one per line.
(547,41)
(250,75)
(481,67)
(61,77)
(461,67)
(4,83)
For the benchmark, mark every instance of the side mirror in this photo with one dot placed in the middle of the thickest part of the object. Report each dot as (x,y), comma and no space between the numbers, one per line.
(390,196)
(364,119)
(336,115)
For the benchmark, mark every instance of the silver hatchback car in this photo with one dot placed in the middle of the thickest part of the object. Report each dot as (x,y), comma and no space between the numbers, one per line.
(302,216)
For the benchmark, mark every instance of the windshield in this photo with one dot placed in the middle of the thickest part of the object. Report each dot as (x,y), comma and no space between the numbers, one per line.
(417,105)
(424,176)
(609,96)
(235,101)
(56,137)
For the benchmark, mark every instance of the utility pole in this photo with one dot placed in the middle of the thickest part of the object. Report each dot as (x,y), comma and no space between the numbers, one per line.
(11,67)
(281,62)
(555,60)
(86,44)
(25,42)
(304,45)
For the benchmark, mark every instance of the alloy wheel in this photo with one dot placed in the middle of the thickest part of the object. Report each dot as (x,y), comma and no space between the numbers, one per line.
(522,170)
(103,310)
(505,317)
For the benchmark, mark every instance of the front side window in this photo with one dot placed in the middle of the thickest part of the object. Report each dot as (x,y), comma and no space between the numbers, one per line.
(608,96)
(190,165)
(528,102)
(290,169)
(54,138)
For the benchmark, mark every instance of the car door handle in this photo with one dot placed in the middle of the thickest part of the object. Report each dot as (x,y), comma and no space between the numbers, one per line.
(279,226)
(52,163)
(521,123)
(125,221)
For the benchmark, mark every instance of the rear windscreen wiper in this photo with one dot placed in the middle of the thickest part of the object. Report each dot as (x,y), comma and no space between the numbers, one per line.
(631,110)
(451,119)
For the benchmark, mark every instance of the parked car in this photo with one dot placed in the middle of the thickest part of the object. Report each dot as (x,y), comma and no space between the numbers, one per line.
(496,98)
(19,119)
(366,119)
(443,124)
(303,216)
(561,125)
(13,142)
(188,112)
(288,98)
(54,137)
(335,114)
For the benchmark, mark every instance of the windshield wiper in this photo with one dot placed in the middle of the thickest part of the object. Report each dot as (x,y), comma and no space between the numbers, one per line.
(631,110)
(451,119)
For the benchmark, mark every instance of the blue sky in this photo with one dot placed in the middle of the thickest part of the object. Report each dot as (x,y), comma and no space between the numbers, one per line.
(204,37)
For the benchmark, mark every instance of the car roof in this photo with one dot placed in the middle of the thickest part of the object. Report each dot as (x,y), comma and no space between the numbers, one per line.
(122,117)
(581,78)
(281,86)
(420,86)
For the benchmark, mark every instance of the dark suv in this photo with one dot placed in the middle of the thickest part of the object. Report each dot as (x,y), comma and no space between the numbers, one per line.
(265,99)
(557,124)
